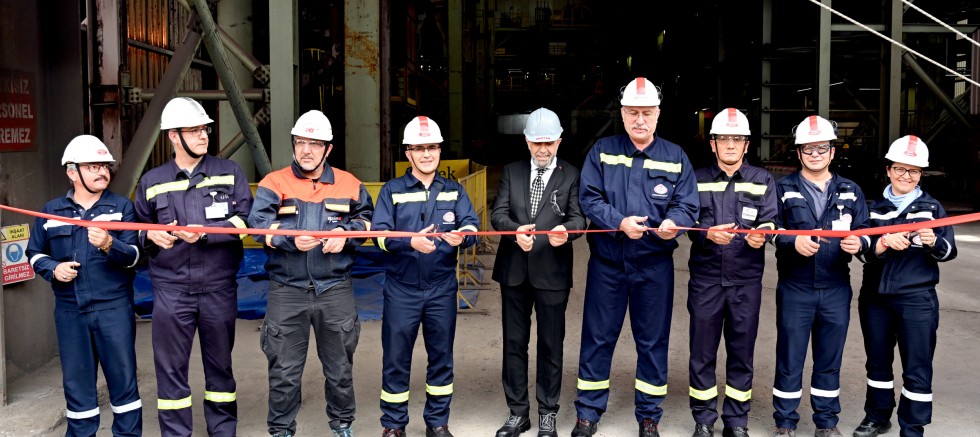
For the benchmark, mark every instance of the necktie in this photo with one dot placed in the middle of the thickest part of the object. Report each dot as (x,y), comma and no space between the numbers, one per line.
(537,192)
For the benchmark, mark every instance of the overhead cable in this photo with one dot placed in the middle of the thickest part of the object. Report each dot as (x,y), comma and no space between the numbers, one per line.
(951,29)
(903,46)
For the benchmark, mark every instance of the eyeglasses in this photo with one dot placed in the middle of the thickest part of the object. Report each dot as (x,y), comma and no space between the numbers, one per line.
(808,150)
(431,148)
(730,139)
(314,144)
(196,130)
(902,171)
(95,168)
(554,204)
(633,115)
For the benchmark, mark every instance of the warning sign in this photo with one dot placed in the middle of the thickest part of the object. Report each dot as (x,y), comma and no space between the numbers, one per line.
(18,123)
(16,266)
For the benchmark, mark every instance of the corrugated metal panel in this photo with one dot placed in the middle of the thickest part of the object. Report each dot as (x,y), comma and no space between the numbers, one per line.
(156,27)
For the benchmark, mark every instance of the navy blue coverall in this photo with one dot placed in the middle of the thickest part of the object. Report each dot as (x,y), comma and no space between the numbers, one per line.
(420,289)
(725,290)
(898,305)
(618,181)
(195,287)
(813,296)
(93,313)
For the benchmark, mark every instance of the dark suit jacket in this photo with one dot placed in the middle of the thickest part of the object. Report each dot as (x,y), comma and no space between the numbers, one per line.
(550,267)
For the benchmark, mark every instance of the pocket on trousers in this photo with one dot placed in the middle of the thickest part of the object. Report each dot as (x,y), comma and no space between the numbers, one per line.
(349,331)
(273,337)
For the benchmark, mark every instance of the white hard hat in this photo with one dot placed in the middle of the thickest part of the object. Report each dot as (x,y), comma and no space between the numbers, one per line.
(640,92)
(86,148)
(815,129)
(731,121)
(313,125)
(909,150)
(183,112)
(542,126)
(422,130)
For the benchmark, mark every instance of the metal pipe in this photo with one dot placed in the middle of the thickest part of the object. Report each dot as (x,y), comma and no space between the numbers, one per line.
(252,94)
(141,147)
(235,98)
(261,117)
(950,106)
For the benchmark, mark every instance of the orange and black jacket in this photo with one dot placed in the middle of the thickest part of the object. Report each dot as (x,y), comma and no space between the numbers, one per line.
(285,199)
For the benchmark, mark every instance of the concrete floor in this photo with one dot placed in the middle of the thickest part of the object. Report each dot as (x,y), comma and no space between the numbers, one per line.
(478,404)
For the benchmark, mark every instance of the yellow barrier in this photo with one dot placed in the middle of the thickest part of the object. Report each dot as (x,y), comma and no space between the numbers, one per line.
(476,188)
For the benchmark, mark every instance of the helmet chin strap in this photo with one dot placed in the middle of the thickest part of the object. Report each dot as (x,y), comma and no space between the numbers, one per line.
(415,167)
(320,164)
(187,150)
(82,178)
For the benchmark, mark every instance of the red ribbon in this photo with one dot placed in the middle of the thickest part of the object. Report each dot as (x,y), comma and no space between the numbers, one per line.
(129,226)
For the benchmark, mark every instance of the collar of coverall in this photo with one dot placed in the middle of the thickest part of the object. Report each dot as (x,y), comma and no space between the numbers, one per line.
(326,177)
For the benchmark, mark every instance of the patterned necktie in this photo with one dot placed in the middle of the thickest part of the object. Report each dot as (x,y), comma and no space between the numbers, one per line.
(537,192)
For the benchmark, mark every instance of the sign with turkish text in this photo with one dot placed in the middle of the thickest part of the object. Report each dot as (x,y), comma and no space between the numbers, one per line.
(16,266)
(18,115)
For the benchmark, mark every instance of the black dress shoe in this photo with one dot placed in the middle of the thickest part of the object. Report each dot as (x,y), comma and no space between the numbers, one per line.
(393,432)
(648,428)
(547,426)
(439,431)
(514,426)
(735,431)
(870,428)
(584,428)
(702,430)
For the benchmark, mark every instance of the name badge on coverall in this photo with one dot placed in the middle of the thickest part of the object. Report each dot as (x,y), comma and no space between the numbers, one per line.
(749,213)
(843,223)
(217,210)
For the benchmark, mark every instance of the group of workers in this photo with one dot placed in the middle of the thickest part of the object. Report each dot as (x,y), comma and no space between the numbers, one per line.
(639,185)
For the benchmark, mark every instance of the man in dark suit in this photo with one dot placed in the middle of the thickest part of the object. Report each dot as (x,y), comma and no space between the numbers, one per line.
(536,194)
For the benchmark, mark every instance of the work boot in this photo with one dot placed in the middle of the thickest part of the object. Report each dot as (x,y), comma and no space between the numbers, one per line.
(439,431)
(547,426)
(584,428)
(702,430)
(393,432)
(514,426)
(785,432)
(648,428)
(343,430)
(870,428)
(282,434)
(735,431)
(828,432)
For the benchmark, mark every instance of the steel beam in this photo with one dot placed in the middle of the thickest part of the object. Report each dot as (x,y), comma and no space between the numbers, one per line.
(954,110)
(891,76)
(235,97)
(105,98)
(283,60)
(251,94)
(124,181)
(362,89)
(259,72)
(457,111)
(765,96)
(907,28)
(261,117)
(823,62)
